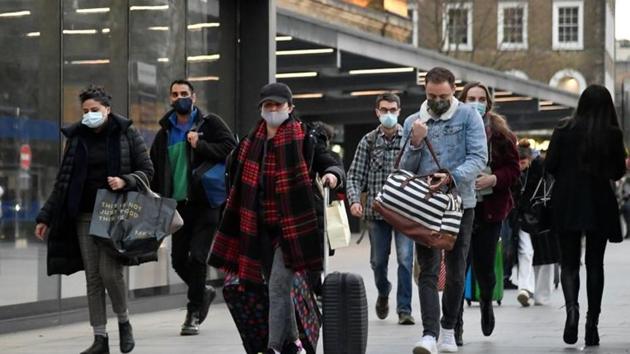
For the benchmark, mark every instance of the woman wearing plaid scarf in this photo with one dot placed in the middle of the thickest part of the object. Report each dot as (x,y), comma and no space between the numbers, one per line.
(270,226)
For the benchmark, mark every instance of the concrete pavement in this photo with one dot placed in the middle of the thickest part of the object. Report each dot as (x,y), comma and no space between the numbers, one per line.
(537,329)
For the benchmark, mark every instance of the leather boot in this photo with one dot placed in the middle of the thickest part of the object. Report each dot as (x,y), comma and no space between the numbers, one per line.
(191,324)
(592,335)
(570,278)
(100,346)
(208,297)
(127,342)
(571,325)
(487,317)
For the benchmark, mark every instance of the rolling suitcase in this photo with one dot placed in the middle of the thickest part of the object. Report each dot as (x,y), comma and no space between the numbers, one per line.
(345,310)
(249,307)
(471,287)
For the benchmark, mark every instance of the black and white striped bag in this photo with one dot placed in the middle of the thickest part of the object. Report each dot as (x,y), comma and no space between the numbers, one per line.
(410,196)
(428,215)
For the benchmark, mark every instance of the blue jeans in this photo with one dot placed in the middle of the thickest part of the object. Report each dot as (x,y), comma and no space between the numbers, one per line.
(381,242)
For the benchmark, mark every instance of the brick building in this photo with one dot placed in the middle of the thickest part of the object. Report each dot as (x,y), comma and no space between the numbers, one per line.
(565,43)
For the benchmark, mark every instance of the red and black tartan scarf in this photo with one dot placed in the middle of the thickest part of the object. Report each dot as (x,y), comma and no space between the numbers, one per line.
(237,246)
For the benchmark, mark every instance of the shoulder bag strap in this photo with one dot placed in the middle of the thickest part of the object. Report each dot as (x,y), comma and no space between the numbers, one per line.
(402,151)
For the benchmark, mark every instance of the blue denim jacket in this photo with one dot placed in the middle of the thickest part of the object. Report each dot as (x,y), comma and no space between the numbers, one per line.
(459,140)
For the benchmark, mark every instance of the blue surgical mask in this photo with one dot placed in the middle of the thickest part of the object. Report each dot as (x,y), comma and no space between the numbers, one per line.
(479,106)
(274,119)
(183,105)
(93,119)
(388,120)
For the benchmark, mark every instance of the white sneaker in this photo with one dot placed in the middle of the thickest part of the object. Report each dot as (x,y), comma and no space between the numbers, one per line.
(426,345)
(523,297)
(446,343)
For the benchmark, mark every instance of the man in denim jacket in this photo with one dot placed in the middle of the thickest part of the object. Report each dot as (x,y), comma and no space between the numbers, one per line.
(457,134)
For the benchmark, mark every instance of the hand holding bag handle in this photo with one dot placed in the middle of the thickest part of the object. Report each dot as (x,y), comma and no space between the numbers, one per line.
(406,208)
(142,179)
(449,182)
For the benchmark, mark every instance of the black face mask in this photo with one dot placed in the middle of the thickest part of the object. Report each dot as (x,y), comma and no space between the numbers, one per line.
(183,105)
(439,107)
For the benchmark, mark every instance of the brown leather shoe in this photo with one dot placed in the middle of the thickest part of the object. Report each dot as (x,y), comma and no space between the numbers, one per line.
(382,307)
(406,319)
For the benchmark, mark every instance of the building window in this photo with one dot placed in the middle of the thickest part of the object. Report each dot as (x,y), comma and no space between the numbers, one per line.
(457,27)
(568,25)
(512,25)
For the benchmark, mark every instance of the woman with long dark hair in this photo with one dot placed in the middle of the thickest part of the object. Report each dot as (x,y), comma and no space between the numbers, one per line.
(494,198)
(585,156)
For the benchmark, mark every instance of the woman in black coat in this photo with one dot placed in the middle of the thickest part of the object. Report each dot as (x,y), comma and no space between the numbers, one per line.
(586,156)
(101,153)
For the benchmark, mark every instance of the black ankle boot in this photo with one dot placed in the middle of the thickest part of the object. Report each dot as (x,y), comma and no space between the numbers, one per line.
(191,324)
(592,334)
(487,317)
(100,346)
(571,325)
(126,337)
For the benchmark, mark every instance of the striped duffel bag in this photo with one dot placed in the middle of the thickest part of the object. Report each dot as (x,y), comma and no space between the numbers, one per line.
(429,216)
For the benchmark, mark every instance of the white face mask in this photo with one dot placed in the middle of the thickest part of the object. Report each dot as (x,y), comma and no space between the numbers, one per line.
(274,119)
(93,119)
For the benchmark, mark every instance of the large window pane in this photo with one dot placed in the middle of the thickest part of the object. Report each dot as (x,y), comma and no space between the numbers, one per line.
(156,56)
(202,51)
(29,115)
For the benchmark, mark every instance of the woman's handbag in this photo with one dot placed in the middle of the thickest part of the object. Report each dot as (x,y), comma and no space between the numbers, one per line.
(133,224)
(429,215)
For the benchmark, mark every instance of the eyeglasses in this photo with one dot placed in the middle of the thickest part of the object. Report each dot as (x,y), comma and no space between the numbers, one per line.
(385,110)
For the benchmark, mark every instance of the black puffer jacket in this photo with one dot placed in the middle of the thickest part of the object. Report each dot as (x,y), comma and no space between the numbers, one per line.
(216,141)
(129,155)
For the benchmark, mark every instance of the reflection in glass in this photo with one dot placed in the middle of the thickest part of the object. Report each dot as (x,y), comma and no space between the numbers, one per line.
(154,43)
(28,147)
(87,47)
(202,52)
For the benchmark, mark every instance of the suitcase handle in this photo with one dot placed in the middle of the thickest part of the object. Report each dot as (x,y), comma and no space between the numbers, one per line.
(326,246)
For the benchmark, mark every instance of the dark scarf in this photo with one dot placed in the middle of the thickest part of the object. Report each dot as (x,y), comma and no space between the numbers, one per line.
(237,244)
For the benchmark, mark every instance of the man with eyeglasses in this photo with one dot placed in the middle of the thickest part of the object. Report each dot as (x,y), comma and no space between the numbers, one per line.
(373,161)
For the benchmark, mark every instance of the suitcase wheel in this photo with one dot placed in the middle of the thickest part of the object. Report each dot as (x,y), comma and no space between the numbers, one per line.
(468,302)
(499,302)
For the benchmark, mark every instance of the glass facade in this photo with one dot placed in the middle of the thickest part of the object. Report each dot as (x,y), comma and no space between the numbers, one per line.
(51,51)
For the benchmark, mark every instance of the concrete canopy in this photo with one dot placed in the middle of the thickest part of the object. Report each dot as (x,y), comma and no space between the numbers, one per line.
(528,105)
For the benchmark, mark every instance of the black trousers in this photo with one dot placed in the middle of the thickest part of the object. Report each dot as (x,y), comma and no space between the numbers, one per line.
(190,249)
(571,250)
(483,248)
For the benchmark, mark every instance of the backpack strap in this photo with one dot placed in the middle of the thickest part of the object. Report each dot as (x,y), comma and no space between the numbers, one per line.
(371,141)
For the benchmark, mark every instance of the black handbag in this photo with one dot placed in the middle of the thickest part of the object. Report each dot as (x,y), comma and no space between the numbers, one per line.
(536,218)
